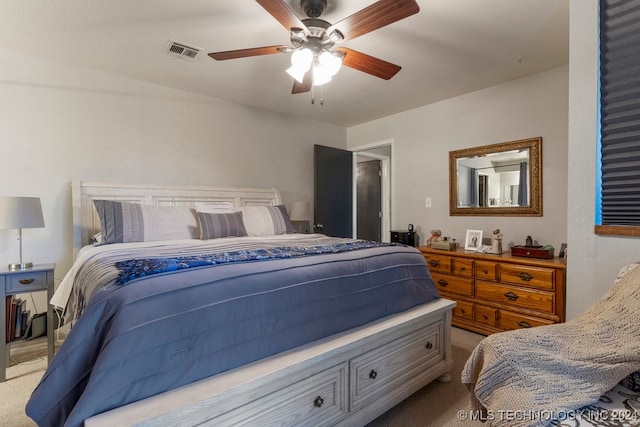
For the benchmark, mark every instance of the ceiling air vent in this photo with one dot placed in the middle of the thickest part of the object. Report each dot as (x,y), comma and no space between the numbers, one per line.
(181,50)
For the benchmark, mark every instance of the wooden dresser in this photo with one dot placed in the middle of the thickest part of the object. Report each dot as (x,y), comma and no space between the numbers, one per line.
(499,292)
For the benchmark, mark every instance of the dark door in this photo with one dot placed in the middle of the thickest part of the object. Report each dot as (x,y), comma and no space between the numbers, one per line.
(369,200)
(333,191)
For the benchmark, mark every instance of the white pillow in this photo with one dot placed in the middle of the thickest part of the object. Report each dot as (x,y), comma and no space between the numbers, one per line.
(266,220)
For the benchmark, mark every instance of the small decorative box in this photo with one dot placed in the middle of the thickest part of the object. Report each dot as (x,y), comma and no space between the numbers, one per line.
(532,251)
(446,245)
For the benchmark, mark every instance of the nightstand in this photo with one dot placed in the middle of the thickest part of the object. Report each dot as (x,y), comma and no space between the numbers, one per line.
(39,278)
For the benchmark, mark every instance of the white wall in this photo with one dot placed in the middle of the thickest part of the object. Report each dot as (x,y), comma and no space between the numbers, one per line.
(528,107)
(59,123)
(593,261)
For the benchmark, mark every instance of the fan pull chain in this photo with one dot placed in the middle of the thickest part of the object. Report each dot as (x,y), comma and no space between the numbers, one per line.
(313,95)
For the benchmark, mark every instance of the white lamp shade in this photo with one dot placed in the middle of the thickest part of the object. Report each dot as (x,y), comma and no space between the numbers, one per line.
(300,211)
(20,212)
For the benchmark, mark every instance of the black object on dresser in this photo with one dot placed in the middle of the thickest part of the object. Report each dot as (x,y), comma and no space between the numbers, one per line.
(407,237)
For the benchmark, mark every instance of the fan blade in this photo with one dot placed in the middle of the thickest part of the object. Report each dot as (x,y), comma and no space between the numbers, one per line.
(280,10)
(378,15)
(305,86)
(368,64)
(243,53)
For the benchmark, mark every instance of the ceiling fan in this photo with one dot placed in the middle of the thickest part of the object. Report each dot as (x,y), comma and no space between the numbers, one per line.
(315,58)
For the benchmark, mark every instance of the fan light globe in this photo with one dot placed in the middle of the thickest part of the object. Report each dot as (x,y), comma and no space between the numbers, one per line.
(330,62)
(300,63)
(320,75)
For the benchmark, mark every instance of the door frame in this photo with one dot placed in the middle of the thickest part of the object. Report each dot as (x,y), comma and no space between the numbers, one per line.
(387,204)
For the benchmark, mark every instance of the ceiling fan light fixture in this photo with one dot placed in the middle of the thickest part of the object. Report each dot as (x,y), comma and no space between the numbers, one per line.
(330,62)
(300,63)
(321,75)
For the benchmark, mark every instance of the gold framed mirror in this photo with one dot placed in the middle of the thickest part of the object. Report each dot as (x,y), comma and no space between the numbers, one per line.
(497,180)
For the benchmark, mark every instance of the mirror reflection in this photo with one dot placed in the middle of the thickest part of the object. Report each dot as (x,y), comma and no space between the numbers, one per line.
(499,179)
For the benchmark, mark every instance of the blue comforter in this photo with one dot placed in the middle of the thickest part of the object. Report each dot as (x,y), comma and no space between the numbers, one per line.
(166,330)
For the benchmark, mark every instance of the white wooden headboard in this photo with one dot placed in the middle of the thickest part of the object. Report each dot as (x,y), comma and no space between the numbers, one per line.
(86,222)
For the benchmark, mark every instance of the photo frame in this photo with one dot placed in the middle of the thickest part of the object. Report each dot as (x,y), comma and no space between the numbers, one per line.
(473,240)
(563,251)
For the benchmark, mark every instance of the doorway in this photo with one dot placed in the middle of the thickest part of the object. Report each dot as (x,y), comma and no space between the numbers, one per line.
(372,213)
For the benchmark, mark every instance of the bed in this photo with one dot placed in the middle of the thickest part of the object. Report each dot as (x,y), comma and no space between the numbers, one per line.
(229,318)
(585,372)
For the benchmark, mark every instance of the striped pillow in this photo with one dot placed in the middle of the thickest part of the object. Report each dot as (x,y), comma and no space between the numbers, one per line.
(124,222)
(216,225)
(266,220)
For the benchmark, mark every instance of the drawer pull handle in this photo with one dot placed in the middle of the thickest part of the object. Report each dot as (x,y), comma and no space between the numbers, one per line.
(434,263)
(485,271)
(462,311)
(524,324)
(26,281)
(511,296)
(373,374)
(525,276)
(443,282)
(429,345)
(485,317)
(462,269)
(318,402)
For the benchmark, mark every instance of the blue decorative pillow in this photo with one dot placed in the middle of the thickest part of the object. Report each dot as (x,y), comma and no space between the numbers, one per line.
(124,222)
(216,225)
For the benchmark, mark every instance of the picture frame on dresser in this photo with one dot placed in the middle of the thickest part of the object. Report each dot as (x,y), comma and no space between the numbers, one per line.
(473,240)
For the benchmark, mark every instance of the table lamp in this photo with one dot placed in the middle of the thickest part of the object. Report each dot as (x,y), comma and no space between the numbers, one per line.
(20,212)
(301,213)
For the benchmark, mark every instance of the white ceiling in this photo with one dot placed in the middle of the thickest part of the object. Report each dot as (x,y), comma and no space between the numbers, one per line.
(449,48)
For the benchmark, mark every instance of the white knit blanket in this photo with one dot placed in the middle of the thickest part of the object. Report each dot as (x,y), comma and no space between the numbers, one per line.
(525,377)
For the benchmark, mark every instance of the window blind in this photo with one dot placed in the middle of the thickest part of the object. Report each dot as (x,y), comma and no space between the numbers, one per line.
(620,111)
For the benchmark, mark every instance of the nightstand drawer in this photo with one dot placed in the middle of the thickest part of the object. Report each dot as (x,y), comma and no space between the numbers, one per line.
(25,282)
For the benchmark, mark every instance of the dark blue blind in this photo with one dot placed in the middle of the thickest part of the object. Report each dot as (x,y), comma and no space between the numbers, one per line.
(620,111)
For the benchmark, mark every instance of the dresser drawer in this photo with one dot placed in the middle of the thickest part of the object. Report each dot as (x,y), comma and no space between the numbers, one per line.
(516,296)
(537,277)
(318,399)
(379,371)
(510,321)
(453,284)
(486,315)
(463,310)
(487,270)
(439,263)
(25,282)
(463,267)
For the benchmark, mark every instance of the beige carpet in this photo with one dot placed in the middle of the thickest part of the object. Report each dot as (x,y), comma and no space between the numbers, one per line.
(437,404)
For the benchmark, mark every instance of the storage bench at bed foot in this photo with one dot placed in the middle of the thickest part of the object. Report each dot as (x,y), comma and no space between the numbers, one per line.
(318,400)
(379,372)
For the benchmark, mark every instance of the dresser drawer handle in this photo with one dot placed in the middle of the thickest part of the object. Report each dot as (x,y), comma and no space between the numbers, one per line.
(525,276)
(429,345)
(462,311)
(443,282)
(524,324)
(26,281)
(462,269)
(373,374)
(485,271)
(485,317)
(511,296)
(318,402)
(434,263)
